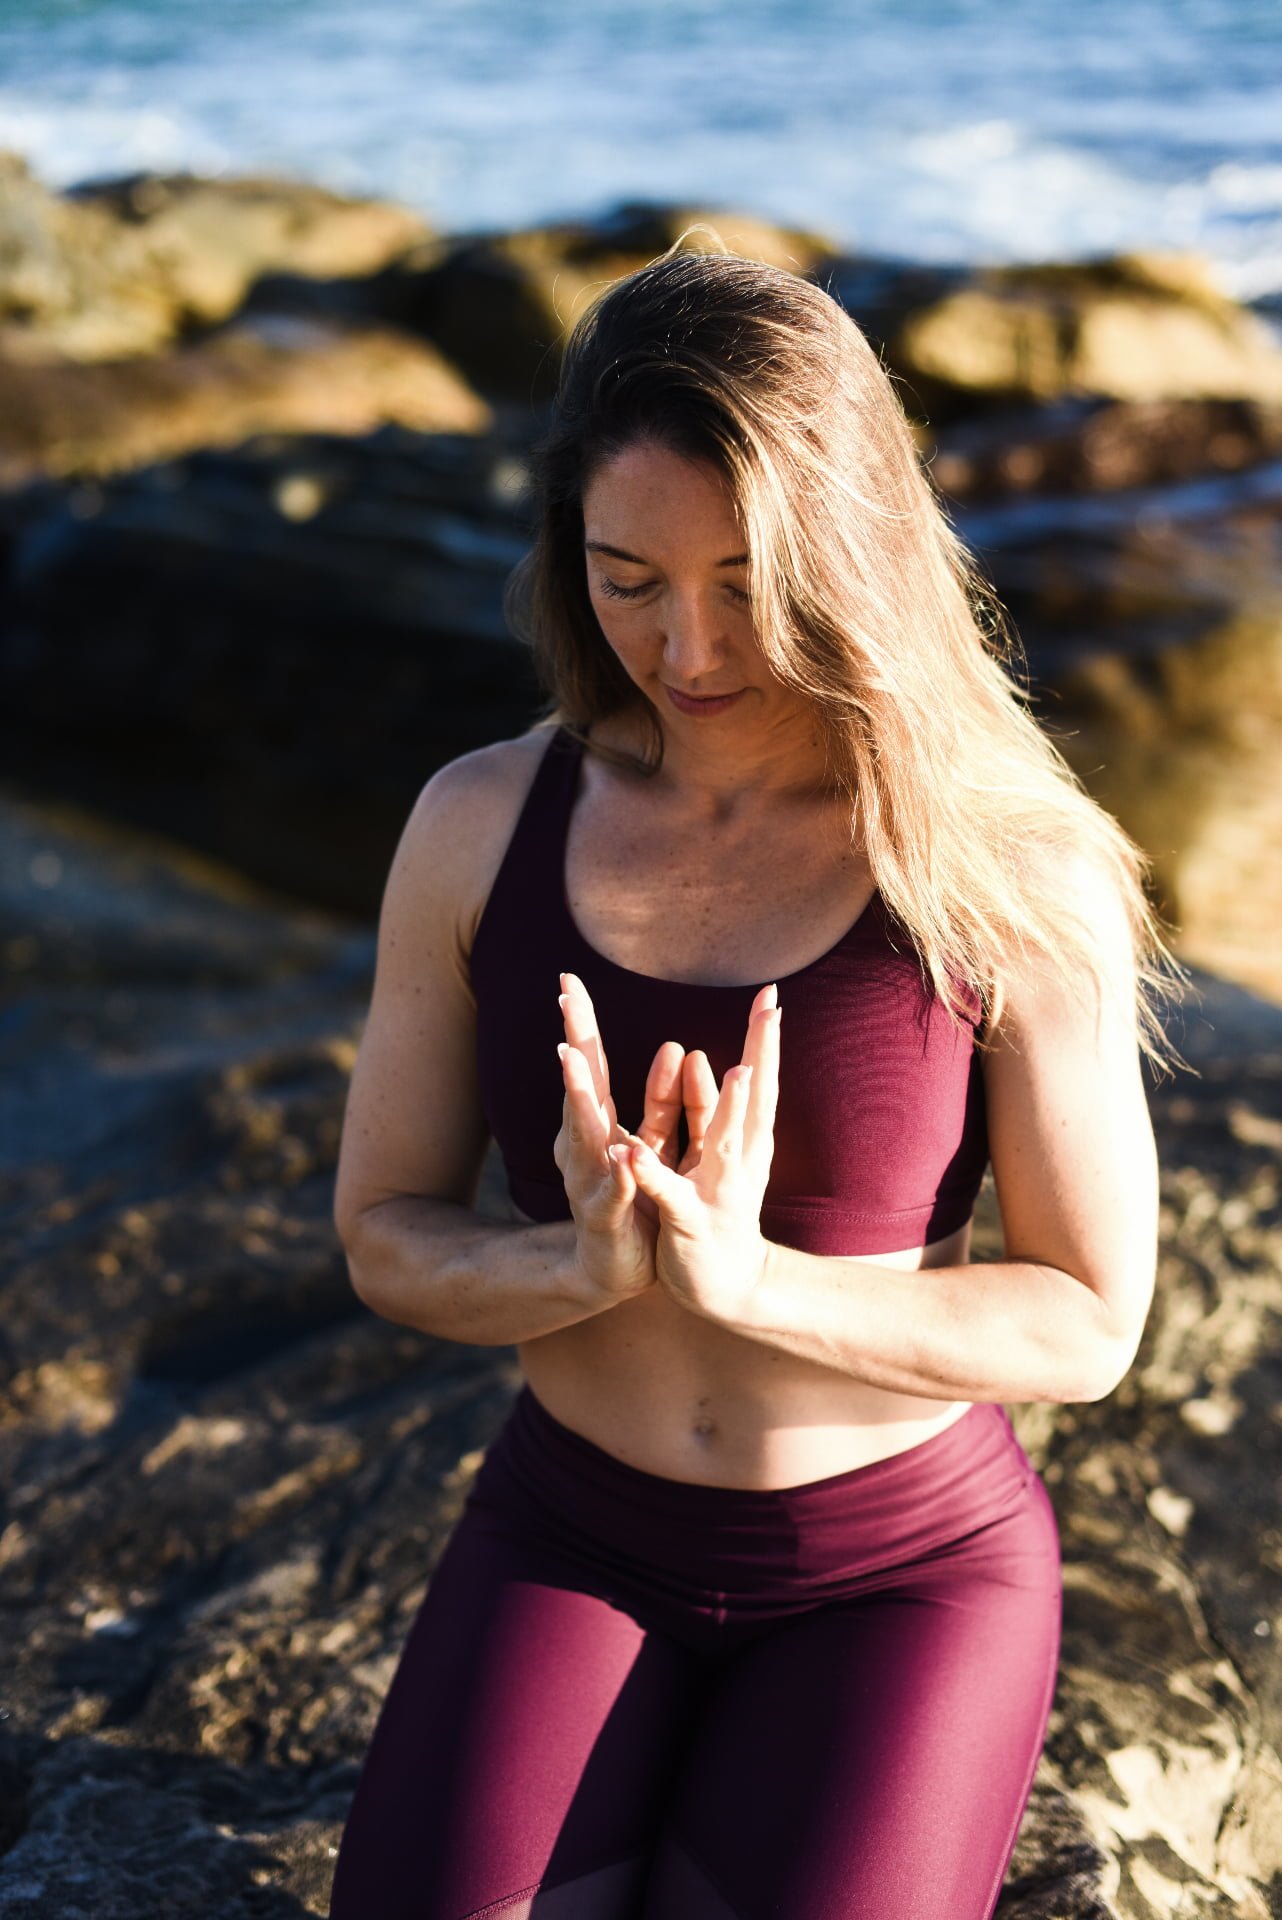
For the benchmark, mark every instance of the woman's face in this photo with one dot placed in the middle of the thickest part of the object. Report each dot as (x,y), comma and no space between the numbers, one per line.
(666,571)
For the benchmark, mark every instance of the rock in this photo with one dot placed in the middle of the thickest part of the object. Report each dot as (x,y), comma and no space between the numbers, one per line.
(1099,446)
(70,282)
(126,268)
(1183,748)
(289,639)
(228,1483)
(1152,624)
(115,1835)
(178,1729)
(261,376)
(208,241)
(881,294)
(1150,618)
(1181,742)
(1139,328)
(500,304)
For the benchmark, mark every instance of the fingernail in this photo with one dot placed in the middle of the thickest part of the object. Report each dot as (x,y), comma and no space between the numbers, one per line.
(561,1050)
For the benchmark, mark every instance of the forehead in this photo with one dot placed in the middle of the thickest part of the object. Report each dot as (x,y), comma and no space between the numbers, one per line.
(651,485)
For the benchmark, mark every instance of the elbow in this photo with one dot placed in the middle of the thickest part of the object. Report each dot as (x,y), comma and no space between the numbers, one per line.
(1106,1362)
(1085,1353)
(1101,1377)
(347,1228)
(359,1287)
(1122,1359)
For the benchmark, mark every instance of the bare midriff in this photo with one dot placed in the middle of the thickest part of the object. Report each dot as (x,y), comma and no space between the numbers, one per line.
(678,1396)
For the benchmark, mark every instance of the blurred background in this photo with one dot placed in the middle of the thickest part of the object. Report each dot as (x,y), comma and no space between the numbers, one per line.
(281,294)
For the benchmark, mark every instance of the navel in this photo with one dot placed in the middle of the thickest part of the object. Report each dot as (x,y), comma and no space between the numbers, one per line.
(703,1425)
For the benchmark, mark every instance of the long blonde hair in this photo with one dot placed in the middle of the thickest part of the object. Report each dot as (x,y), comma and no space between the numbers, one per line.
(865,601)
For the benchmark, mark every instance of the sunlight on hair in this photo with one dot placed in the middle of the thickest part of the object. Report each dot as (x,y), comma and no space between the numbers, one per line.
(984,843)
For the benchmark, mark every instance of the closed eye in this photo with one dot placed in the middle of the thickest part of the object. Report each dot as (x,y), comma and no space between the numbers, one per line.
(616,592)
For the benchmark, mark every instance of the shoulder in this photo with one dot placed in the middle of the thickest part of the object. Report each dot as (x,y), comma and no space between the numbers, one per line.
(482,788)
(458,832)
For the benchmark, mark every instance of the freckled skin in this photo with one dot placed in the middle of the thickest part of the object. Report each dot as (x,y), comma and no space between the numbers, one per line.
(739,864)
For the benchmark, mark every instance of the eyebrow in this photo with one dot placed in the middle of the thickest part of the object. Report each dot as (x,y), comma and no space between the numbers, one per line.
(620,553)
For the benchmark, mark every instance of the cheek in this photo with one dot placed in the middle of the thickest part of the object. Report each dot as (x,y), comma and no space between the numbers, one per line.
(625,635)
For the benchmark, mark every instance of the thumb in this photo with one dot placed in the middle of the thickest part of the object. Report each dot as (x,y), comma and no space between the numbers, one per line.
(670,1191)
(623,1181)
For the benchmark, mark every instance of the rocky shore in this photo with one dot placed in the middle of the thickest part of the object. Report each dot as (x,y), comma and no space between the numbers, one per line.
(262,476)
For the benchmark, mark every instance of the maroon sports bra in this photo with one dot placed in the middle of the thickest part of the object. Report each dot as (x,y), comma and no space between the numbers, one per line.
(880,1134)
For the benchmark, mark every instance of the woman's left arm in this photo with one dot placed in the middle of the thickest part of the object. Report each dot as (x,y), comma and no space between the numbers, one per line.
(1059,1317)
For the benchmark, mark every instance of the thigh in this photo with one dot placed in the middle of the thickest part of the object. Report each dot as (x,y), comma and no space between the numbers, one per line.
(872,1759)
(524,1750)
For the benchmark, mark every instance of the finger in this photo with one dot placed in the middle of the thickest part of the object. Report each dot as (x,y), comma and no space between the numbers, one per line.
(620,1157)
(662,1117)
(586,1124)
(764,1000)
(761,1053)
(724,1138)
(582,1031)
(673,1195)
(610,1200)
(699,1096)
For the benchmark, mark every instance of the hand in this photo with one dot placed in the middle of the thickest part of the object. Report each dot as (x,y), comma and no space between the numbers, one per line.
(617,1226)
(710,1252)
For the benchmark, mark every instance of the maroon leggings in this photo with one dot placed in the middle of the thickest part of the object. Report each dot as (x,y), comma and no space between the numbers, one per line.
(632,1698)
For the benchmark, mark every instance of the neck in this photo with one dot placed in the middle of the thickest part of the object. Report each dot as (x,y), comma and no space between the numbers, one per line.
(718,769)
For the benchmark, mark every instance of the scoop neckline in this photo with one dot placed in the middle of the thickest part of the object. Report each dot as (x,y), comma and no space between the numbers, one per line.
(865,914)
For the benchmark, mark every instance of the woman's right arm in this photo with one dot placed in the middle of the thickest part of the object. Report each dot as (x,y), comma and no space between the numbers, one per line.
(414,1134)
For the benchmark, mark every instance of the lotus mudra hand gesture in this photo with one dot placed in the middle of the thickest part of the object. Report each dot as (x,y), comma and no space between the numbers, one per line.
(752,1608)
(690,1224)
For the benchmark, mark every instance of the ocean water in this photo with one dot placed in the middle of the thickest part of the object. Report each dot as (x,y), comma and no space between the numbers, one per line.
(941,130)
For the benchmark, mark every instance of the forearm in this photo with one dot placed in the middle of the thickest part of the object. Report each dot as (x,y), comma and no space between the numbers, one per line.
(1007,1330)
(448,1271)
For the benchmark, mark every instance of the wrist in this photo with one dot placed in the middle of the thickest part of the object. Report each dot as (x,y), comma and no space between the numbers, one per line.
(602,1274)
(762,1277)
(738,1304)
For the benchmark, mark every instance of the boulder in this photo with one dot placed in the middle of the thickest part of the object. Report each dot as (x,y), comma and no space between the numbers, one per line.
(71,282)
(1183,746)
(124,268)
(1088,446)
(266,374)
(208,241)
(268,650)
(1136,327)
(1152,624)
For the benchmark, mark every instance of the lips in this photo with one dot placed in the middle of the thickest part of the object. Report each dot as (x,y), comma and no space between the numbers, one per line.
(701,703)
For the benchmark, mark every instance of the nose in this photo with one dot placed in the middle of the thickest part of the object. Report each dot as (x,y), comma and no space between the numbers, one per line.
(693,640)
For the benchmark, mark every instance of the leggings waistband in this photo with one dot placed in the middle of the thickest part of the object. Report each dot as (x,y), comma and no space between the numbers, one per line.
(886,1512)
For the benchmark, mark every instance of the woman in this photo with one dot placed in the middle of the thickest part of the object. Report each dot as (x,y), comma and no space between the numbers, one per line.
(754,1607)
